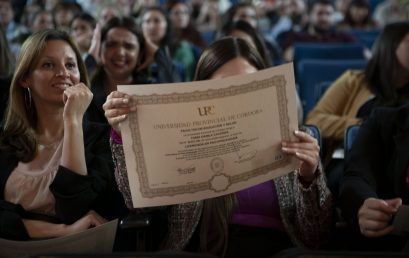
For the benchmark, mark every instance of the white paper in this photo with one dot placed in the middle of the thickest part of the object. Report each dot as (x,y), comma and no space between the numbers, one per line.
(198,140)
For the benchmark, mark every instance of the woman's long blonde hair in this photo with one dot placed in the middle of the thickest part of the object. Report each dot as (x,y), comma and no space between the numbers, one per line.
(21,119)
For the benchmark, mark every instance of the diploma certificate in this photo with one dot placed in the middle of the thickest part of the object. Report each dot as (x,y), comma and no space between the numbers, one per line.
(198,140)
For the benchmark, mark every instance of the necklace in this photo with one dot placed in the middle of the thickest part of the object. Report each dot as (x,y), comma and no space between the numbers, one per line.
(49,144)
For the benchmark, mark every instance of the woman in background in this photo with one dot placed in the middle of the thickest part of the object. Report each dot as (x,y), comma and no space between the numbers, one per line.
(358,17)
(186,42)
(125,57)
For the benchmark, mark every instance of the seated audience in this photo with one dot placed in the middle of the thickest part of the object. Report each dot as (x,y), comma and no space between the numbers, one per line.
(292,210)
(320,29)
(57,176)
(351,98)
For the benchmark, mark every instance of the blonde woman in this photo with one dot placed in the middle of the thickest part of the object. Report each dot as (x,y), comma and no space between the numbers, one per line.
(55,175)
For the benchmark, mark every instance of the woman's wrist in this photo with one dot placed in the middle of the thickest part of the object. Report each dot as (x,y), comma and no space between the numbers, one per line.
(306,181)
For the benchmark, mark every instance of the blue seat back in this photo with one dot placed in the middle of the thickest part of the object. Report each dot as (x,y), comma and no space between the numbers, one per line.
(316,133)
(365,37)
(310,72)
(328,51)
(208,36)
(350,135)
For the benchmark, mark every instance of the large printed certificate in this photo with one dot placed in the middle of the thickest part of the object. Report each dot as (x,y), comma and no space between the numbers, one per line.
(193,141)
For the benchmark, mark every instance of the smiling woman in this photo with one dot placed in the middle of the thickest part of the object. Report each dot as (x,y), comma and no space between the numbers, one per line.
(125,59)
(54,178)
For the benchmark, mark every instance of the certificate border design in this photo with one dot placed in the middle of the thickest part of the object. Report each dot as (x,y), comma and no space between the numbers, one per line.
(277,81)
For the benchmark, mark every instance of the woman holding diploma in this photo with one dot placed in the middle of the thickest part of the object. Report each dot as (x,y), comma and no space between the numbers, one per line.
(293,210)
(56,168)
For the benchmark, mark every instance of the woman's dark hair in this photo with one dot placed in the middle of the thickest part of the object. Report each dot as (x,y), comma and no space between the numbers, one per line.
(231,12)
(218,211)
(6,57)
(166,39)
(383,69)
(221,52)
(85,17)
(129,24)
(360,4)
(254,35)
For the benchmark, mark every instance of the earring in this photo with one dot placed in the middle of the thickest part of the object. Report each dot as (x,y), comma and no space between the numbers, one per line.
(27,98)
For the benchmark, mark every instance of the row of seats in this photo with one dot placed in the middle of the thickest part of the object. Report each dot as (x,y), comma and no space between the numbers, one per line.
(350,135)
(317,65)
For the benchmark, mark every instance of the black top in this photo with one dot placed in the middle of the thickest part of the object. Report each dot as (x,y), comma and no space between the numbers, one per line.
(377,164)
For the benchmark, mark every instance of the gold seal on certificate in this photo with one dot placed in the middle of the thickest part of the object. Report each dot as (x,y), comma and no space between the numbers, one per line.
(198,140)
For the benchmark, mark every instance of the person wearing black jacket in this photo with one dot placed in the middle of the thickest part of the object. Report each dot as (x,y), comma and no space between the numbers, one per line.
(125,58)
(57,171)
(375,182)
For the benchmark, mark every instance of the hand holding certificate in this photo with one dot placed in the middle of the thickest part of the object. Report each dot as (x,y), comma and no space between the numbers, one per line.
(192,141)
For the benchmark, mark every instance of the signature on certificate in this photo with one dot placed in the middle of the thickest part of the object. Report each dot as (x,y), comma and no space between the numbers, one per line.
(187,170)
(246,156)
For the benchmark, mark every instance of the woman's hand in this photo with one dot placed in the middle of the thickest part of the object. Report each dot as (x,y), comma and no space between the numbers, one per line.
(76,100)
(42,229)
(375,214)
(90,220)
(117,107)
(307,151)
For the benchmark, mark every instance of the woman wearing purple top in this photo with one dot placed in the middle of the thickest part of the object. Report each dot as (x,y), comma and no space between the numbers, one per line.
(293,210)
